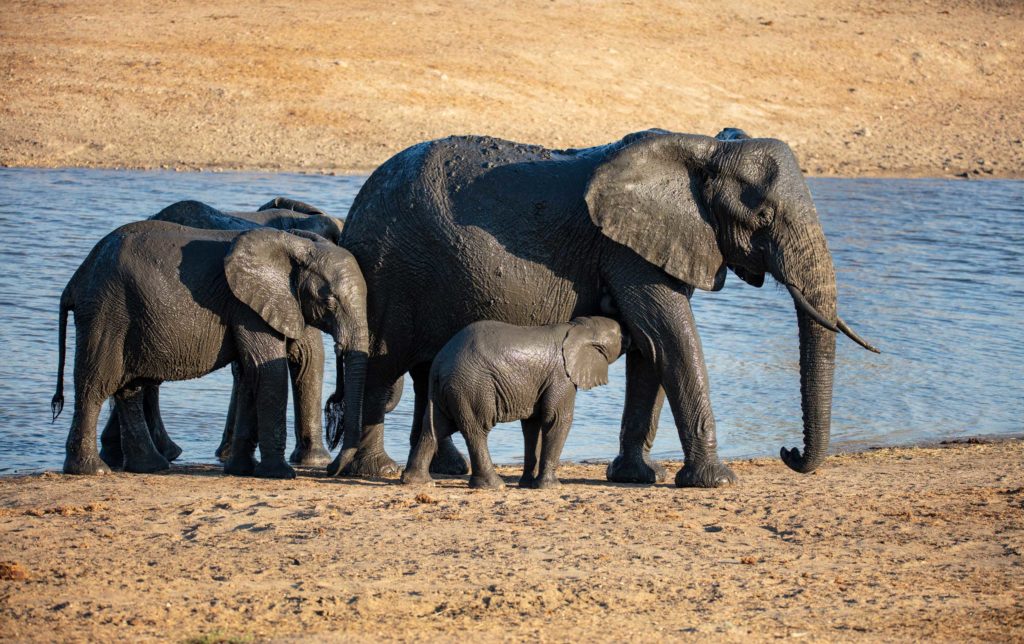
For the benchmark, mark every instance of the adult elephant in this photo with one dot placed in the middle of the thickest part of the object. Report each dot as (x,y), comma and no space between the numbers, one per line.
(471,228)
(305,355)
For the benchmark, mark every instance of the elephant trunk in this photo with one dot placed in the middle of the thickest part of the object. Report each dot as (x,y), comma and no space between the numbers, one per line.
(805,266)
(345,406)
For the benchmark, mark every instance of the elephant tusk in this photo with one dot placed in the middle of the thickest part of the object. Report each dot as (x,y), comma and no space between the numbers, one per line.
(806,307)
(853,336)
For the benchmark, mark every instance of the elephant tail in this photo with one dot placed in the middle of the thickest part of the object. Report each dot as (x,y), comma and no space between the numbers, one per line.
(66,304)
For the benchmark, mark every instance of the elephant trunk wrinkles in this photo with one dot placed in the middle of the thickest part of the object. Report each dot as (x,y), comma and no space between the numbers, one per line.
(807,265)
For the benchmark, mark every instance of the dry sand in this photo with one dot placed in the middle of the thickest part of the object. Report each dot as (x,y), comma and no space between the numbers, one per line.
(857,88)
(894,544)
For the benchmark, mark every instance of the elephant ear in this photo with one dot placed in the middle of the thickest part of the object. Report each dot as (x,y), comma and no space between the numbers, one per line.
(647,195)
(585,365)
(259,272)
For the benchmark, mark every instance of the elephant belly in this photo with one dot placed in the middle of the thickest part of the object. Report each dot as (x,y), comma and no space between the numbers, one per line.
(190,350)
(494,284)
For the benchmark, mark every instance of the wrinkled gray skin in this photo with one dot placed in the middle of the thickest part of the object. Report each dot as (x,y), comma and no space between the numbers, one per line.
(157,301)
(305,355)
(462,229)
(492,372)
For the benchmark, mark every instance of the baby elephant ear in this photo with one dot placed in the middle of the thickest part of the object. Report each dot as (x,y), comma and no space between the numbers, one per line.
(259,272)
(585,365)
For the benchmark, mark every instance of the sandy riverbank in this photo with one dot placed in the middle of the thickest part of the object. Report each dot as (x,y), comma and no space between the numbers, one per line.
(905,88)
(894,544)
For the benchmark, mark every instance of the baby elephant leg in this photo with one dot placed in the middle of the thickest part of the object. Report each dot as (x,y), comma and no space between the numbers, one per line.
(140,454)
(484,475)
(434,428)
(531,451)
(553,437)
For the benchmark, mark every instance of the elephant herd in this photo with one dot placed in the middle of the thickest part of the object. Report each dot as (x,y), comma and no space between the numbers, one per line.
(500,276)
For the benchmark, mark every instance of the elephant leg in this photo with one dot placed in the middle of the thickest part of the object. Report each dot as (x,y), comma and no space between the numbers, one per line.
(531,450)
(110,442)
(446,459)
(434,426)
(371,459)
(223,452)
(644,399)
(554,433)
(239,459)
(484,475)
(271,397)
(151,408)
(656,311)
(306,367)
(140,454)
(81,456)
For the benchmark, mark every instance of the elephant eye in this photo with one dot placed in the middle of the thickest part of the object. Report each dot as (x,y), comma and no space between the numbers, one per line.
(331,302)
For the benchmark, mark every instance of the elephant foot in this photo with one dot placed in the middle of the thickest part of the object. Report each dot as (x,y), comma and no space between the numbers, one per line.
(310,456)
(416,477)
(367,464)
(148,464)
(275,468)
(171,450)
(448,460)
(546,483)
(526,481)
(241,465)
(91,464)
(633,469)
(492,482)
(112,456)
(713,474)
(223,453)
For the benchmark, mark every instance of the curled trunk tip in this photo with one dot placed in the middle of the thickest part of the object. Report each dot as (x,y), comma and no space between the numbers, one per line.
(799,462)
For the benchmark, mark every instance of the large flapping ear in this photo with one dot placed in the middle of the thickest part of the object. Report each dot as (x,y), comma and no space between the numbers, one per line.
(259,273)
(585,365)
(647,195)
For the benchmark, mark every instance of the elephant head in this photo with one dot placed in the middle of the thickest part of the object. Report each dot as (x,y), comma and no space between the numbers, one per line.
(295,278)
(694,205)
(314,220)
(590,345)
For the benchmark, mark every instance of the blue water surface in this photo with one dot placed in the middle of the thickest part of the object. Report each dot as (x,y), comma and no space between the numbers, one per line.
(931,271)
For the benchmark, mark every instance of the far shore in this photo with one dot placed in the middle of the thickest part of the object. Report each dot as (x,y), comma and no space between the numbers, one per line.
(908,89)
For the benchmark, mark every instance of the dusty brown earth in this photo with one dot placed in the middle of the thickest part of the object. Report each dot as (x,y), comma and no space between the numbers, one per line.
(895,544)
(898,88)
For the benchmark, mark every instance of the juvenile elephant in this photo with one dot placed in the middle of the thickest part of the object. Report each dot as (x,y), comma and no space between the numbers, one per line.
(492,372)
(305,355)
(470,228)
(156,301)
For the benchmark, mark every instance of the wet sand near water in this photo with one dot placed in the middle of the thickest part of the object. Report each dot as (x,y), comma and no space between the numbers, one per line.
(892,544)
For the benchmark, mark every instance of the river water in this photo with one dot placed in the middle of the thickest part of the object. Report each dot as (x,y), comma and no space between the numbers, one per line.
(931,271)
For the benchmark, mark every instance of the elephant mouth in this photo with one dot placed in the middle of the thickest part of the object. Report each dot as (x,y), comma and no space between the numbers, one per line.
(754,278)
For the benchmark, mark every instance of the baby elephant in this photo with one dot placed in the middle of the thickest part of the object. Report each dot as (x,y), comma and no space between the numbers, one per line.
(157,301)
(492,372)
